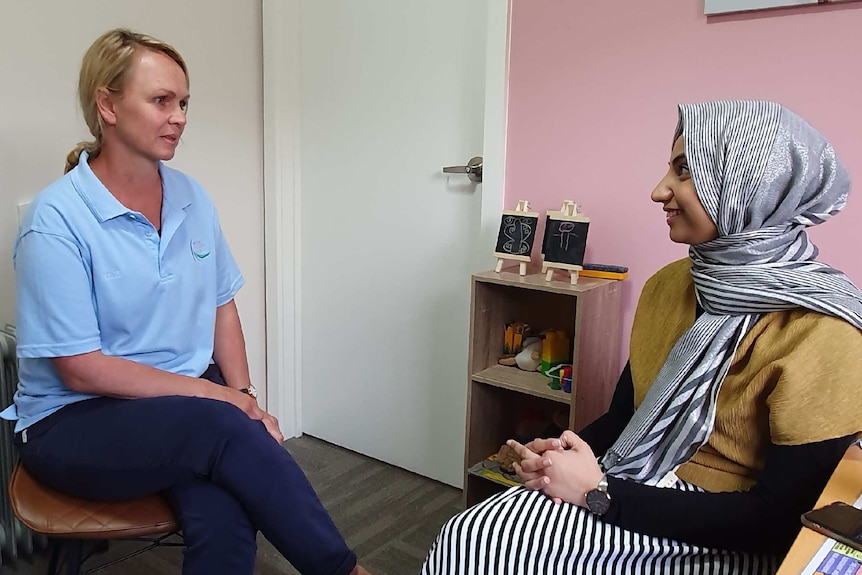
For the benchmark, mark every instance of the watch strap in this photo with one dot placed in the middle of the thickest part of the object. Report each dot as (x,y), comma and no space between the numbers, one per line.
(603,483)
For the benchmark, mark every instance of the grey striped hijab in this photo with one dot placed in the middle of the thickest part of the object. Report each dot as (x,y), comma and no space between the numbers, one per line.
(763,175)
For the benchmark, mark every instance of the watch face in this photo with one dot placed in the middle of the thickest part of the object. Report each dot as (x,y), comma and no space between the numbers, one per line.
(598,501)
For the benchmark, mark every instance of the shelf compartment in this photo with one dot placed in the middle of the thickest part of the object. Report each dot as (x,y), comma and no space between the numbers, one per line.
(494,414)
(527,382)
(496,305)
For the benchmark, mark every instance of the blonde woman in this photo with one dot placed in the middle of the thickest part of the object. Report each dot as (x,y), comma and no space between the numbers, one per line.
(133,371)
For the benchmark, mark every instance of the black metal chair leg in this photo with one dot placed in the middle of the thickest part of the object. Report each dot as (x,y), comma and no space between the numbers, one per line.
(68,558)
(55,545)
(74,549)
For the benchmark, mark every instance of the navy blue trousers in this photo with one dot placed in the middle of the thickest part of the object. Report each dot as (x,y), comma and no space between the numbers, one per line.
(225,475)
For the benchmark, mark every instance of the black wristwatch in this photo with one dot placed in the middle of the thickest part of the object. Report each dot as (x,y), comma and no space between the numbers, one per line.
(598,499)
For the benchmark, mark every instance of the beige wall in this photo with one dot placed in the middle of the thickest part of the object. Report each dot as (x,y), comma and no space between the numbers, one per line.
(41,44)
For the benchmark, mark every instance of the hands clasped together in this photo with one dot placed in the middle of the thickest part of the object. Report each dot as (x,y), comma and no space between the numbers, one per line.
(563,468)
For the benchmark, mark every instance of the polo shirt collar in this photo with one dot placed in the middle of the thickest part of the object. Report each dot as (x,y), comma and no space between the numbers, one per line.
(105,206)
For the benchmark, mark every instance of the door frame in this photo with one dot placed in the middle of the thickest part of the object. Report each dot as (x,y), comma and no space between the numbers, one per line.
(282,153)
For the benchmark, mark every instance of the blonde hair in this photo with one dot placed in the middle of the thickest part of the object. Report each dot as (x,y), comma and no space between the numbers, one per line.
(106,65)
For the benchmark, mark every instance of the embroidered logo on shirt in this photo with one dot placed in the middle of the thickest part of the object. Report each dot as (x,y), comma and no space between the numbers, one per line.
(199,249)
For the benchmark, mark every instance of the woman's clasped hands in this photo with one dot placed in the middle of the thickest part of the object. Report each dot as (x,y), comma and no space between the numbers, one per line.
(563,468)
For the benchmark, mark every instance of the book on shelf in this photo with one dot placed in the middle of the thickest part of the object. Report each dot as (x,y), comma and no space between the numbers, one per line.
(490,469)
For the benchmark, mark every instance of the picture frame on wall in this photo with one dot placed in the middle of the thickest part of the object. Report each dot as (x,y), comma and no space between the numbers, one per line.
(712,7)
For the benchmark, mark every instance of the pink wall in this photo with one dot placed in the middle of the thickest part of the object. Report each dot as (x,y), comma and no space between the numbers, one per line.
(594,86)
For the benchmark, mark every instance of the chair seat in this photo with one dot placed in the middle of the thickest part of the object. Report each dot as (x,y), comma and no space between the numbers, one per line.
(57,515)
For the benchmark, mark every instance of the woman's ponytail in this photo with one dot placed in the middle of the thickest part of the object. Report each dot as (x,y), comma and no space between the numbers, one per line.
(92,149)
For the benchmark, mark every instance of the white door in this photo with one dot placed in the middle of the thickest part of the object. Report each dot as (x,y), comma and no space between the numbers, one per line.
(387,93)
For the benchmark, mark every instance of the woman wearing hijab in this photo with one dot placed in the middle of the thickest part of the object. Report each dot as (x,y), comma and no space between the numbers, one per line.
(730,416)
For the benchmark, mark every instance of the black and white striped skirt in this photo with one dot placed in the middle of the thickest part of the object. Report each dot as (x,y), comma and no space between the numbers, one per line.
(521,532)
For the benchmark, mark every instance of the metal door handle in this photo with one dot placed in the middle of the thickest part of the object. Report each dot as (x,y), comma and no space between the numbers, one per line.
(473,169)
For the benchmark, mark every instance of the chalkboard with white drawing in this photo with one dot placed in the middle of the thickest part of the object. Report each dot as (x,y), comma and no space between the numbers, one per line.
(517,235)
(565,239)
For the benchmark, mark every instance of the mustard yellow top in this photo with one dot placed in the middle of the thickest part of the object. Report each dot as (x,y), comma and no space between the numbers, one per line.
(795,379)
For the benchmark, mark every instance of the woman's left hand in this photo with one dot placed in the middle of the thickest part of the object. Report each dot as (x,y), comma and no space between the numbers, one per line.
(564,475)
(572,473)
(271,424)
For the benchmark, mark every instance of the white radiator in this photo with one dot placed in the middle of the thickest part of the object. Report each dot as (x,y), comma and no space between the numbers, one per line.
(15,539)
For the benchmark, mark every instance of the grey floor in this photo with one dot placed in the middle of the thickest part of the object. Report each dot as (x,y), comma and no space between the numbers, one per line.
(387,515)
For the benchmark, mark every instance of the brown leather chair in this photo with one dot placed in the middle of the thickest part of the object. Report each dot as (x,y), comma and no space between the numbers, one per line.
(68,521)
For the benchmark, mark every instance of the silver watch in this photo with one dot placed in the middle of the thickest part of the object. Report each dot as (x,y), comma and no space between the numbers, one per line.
(250,390)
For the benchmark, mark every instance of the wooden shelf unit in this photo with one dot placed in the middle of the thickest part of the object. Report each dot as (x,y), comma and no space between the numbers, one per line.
(590,312)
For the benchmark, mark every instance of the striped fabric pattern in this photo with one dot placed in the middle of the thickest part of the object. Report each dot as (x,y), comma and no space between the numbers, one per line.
(521,532)
(762,174)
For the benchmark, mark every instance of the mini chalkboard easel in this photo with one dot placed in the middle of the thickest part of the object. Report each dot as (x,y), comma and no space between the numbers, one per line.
(516,236)
(565,241)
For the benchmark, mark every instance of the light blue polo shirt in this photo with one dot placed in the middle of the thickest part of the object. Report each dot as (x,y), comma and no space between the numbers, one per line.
(92,274)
